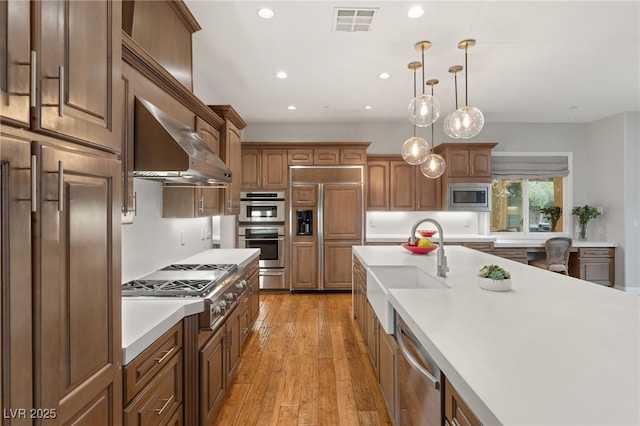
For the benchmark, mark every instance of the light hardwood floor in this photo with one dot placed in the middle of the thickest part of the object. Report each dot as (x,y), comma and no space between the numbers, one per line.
(305,363)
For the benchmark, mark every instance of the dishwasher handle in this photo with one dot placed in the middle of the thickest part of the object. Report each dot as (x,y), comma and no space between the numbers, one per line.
(401,330)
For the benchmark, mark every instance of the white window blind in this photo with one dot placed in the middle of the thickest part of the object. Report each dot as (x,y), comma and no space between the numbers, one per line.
(529,167)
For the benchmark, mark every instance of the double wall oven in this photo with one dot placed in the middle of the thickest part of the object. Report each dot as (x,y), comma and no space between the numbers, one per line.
(261,225)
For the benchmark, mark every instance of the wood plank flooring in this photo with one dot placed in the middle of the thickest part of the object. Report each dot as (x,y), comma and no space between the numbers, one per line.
(305,363)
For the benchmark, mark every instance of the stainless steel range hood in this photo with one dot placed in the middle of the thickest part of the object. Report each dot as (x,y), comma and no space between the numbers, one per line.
(168,150)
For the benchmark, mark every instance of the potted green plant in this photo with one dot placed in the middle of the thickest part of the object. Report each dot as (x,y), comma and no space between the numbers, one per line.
(552,213)
(494,278)
(585,214)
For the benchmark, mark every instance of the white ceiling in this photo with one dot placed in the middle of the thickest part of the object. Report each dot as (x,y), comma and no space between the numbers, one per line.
(534,62)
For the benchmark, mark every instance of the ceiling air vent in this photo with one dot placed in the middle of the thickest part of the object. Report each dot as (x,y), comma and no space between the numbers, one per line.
(352,19)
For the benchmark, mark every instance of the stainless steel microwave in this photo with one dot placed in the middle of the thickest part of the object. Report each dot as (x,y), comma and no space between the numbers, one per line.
(469,197)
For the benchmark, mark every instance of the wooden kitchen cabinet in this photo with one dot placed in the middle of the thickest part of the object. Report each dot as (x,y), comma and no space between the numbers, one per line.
(76,283)
(16,319)
(387,359)
(231,155)
(180,202)
(515,254)
(466,160)
(359,292)
(340,199)
(337,264)
(264,169)
(75,91)
(304,258)
(253,280)
(393,184)
(153,391)
(456,412)
(213,376)
(371,337)
(595,264)
(327,156)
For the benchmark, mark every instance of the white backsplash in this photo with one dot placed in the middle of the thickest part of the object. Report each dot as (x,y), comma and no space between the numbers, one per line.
(152,242)
(400,223)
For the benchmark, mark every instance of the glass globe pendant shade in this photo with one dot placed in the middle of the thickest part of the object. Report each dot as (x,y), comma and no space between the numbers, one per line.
(433,167)
(415,150)
(466,122)
(447,126)
(424,110)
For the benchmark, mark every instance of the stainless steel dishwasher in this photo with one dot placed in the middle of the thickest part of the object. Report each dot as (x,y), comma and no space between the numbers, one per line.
(420,402)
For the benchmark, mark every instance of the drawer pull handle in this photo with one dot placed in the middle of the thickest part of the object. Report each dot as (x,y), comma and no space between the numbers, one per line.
(60,186)
(166,404)
(245,331)
(32,99)
(163,357)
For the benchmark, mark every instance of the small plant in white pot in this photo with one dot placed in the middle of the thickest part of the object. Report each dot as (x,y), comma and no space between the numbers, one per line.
(494,278)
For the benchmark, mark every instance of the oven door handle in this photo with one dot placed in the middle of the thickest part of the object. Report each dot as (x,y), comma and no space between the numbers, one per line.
(263,239)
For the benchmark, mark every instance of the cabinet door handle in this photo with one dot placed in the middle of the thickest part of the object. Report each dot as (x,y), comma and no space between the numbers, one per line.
(34,184)
(163,357)
(202,204)
(61,91)
(33,78)
(60,186)
(164,407)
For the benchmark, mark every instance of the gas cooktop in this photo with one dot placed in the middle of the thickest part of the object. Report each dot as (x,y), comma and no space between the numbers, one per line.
(180,280)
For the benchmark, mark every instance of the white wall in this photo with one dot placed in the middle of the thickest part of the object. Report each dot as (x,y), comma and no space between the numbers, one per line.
(605,184)
(152,242)
(632,200)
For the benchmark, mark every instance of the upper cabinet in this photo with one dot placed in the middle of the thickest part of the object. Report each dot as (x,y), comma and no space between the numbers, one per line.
(393,184)
(467,160)
(264,168)
(69,73)
(326,156)
(231,154)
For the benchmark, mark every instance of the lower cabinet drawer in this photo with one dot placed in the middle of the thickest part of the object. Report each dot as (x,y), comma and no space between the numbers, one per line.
(159,401)
(596,252)
(515,254)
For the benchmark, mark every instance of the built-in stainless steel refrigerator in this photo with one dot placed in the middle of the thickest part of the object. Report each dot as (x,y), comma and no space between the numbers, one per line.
(326,219)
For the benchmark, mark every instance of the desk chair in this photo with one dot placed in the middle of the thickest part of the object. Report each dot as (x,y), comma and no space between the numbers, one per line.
(557,252)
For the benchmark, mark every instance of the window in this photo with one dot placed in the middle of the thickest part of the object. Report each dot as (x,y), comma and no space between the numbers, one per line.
(523,186)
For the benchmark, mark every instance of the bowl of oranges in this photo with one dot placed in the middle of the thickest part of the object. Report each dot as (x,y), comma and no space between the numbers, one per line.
(422,246)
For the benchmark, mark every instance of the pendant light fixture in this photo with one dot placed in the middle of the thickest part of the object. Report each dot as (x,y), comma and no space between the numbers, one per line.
(434,165)
(415,149)
(447,121)
(467,121)
(424,109)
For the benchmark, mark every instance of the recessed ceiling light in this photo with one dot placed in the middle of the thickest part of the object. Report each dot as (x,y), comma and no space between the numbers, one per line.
(266,13)
(368,107)
(384,75)
(415,12)
(281,74)
(291,107)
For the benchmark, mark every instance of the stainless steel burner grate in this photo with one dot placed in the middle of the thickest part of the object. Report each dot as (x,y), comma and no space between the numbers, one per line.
(177,288)
(201,267)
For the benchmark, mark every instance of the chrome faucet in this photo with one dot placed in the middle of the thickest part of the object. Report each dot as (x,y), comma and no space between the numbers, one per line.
(442,259)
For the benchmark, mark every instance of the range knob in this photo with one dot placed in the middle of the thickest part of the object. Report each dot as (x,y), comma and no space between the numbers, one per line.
(242,285)
(231,297)
(219,308)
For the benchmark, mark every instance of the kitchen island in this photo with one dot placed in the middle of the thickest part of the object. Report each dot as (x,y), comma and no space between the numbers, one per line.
(554,350)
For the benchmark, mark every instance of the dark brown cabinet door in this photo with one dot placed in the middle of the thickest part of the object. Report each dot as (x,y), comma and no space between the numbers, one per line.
(251,171)
(233,160)
(234,342)
(15,61)
(274,169)
(480,163)
(402,186)
(15,277)
(342,212)
(304,261)
(78,49)
(377,185)
(428,195)
(457,163)
(337,264)
(77,323)
(212,376)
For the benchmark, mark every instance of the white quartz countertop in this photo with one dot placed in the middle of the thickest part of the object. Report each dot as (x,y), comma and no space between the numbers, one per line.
(554,350)
(145,319)
(475,238)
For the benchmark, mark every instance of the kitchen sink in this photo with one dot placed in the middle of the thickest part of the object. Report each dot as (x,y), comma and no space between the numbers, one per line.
(382,278)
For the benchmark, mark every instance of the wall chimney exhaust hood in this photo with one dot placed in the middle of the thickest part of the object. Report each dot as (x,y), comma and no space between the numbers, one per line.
(168,150)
